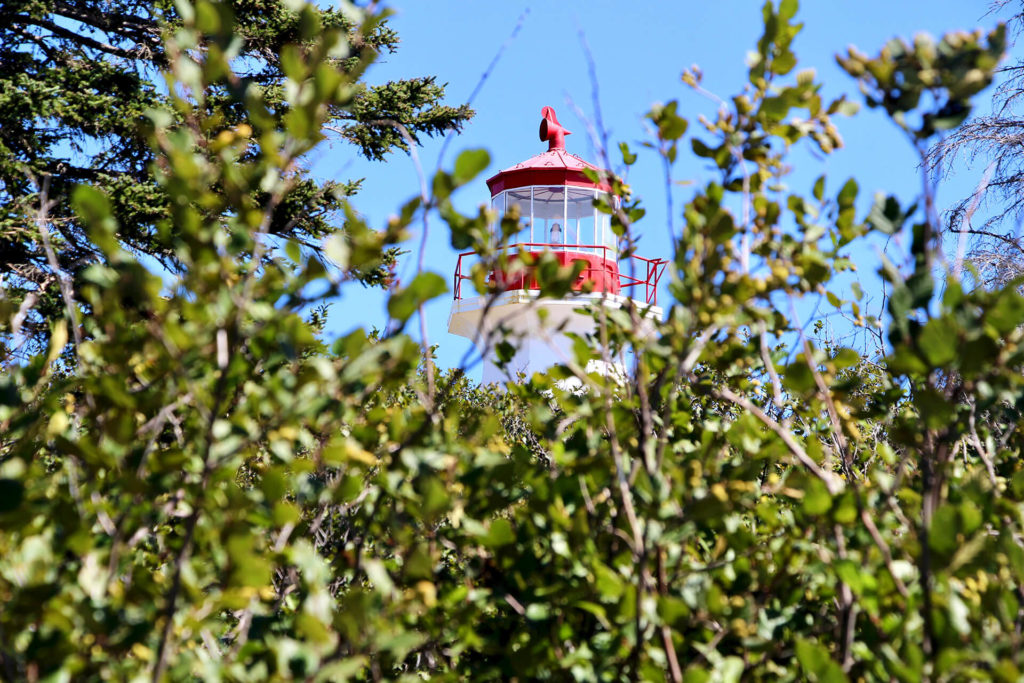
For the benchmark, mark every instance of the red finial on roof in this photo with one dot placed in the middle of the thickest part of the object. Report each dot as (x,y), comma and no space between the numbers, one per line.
(551,130)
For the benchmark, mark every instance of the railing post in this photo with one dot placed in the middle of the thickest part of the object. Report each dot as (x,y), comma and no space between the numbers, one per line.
(651,291)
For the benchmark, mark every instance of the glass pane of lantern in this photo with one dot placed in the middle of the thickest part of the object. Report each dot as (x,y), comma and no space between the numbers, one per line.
(519,198)
(549,215)
(571,235)
(580,217)
(498,206)
(604,226)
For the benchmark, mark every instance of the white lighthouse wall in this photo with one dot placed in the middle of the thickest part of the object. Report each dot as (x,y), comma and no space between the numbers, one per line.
(532,355)
(539,345)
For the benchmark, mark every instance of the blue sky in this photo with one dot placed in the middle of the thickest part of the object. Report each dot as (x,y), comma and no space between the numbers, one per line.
(639,51)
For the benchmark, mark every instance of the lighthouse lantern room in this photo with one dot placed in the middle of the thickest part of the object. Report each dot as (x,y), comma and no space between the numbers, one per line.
(557,204)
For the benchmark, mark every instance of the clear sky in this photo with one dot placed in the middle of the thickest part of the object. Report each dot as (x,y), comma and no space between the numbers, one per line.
(639,49)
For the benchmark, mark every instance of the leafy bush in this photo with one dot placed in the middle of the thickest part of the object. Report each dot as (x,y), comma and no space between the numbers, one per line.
(198,487)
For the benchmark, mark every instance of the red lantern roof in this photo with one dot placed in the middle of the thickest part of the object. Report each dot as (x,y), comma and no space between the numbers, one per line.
(553,167)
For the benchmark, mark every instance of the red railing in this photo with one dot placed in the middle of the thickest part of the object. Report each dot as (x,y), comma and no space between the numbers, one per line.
(653,268)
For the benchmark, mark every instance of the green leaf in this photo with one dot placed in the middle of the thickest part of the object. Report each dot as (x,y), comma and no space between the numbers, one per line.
(505,351)
(817,499)
(787,9)
(798,376)
(672,609)
(817,664)
(784,62)
(538,612)
(418,564)
(850,574)
(935,409)
(939,342)
(942,535)
(701,149)
(95,209)
(818,192)
(904,361)
(469,164)
(845,358)
(845,508)
(628,158)
(597,610)
(499,534)
(608,582)
(886,215)
(775,108)
(697,675)
(848,193)
(293,250)
(424,287)
(671,126)
(1008,312)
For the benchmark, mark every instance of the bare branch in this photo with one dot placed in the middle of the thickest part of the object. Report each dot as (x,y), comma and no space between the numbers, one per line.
(832,483)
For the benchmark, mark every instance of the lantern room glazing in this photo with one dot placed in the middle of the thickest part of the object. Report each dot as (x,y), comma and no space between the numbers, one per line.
(558,217)
(556,200)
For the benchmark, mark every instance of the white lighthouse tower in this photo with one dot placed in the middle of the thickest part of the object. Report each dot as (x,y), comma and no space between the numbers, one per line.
(556,203)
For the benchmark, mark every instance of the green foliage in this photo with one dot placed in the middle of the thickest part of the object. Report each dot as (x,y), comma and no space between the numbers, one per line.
(205,491)
(950,71)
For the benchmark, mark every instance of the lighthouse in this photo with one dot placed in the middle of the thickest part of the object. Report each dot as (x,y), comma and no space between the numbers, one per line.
(558,208)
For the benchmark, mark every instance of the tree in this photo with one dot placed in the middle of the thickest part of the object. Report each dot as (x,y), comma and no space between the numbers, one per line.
(77,78)
(984,227)
(212,492)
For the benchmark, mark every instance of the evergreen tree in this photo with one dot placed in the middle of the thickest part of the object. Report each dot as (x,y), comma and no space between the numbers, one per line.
(76,78)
